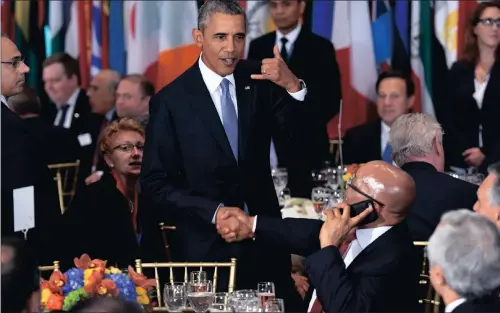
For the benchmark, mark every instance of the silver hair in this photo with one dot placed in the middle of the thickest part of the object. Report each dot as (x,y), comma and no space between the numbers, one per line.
(230,7)
(413,135)
(466,246)
(494,192)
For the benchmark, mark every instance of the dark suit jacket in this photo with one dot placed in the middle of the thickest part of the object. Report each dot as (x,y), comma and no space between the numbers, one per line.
(461,125)
(324,93)
(484,304)
(23,166)
(362,143)
(436,194)
(98,222)
(189,169)
(58,144)
(372,282)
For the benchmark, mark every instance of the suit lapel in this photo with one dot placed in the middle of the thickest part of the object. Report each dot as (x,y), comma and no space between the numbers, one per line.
(490,92)
(298,49)
(204,108)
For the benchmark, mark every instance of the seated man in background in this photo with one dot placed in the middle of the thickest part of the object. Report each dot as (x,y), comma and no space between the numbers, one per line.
(364,272)
(488,195)
(369,142)
(58,144)
(464,259)
(20,280)
(417,148)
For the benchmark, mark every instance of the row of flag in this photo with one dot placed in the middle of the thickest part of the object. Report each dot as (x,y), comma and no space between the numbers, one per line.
(154,38)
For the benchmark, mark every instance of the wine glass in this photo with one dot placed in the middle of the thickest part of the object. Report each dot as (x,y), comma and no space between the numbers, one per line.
(321,197)
(284,195)
(200,295)
(332,178)
(175,297)
(198,276)
(220,303)
(274,305)
(318,178)
(244,301)
(265,291)
(280,179)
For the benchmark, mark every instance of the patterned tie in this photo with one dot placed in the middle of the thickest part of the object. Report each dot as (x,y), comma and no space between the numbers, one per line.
(64,110)
(229,118)
(317,308)
(387,156)
(284,52)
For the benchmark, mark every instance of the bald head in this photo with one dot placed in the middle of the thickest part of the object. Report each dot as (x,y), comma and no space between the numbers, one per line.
(387,184)
(102,91)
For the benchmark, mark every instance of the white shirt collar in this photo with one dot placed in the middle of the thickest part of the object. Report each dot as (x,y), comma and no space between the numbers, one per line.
(454,304)
(4,100)
(212,79)
(291,36)
(385,128)
(109,114)
(366,236)
(72,100)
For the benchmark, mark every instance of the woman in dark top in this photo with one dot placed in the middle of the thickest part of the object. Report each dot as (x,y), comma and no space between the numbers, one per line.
(109,220)
(472,130)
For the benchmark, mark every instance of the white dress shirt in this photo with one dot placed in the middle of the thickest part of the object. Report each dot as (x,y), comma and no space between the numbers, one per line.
(384,136)
(213,80)
(478,95)
(4,100)
(453,305)
(69,114)
(364,237)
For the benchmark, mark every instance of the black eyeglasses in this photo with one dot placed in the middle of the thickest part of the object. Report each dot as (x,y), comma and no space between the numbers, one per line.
(490,22)
(364,194)
(15,63)
(126,147)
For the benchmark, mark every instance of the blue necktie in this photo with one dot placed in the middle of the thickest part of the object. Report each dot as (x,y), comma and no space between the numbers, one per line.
(387,156)
(64,110)
(229,118)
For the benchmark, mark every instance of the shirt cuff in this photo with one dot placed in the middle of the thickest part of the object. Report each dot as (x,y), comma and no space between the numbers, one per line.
(301,94)
(254,224)
(213,218)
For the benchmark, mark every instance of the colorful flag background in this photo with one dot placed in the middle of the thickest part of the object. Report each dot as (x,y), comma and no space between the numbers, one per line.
(420,38)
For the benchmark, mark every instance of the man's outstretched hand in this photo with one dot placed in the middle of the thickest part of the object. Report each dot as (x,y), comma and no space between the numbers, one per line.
(233,224)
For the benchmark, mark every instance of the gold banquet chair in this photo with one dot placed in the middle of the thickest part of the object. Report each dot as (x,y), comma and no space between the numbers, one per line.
(48,268)
(66,177)
(432,300)
(139,267)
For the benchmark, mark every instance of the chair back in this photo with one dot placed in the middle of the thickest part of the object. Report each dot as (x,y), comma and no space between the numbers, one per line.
(66,177)
(431,300)
(139,267)
(44,269)
(164,234)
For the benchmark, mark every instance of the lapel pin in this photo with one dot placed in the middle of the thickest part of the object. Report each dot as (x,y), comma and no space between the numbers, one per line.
(77,115)
(247,87)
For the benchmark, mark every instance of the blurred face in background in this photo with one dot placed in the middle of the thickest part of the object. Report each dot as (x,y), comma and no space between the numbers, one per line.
(101,94)
(13,69)
(392,100)
(125,156)
(222,42)
(286,13)
(130,100)
(488,28)
(58,85)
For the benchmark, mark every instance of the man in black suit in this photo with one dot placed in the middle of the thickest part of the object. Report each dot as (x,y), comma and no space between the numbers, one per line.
(22,165)
(369,142)
(365,272)
(300,48)
(464,260)
(61,76)
(207,148)
(417,147)
(488,195)
(57,142)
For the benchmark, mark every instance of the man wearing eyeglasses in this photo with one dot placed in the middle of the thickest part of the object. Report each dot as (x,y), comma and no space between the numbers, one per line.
(23,167)
(360,263)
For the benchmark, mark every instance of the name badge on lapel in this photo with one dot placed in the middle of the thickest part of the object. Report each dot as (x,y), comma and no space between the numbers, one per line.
(84,139)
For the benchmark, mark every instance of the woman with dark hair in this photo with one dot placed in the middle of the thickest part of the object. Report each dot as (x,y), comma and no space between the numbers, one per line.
(471,124)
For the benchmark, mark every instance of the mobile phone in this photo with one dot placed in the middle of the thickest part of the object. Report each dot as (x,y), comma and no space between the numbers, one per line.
(358,207)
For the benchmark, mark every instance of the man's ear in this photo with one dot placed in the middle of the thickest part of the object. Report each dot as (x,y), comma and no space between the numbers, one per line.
(198,37)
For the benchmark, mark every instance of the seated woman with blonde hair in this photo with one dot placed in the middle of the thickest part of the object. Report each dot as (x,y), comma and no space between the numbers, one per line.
(109,220)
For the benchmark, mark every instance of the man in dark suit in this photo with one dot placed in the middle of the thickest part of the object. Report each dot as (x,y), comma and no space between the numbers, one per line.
(366,271)
(369,142)
(488,195)
(300,48)
(207,148)
(22,165)
(464,259)
(57,142)
(417,147)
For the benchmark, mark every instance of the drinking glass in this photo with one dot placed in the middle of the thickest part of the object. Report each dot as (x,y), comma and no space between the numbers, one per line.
(321,198)
(220,303)
(265,291)
(275,305)
(198,276)
(175,297)
(244,301)
(284,195)
(200,295)
(332,178)
(318,178)
(280,179)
